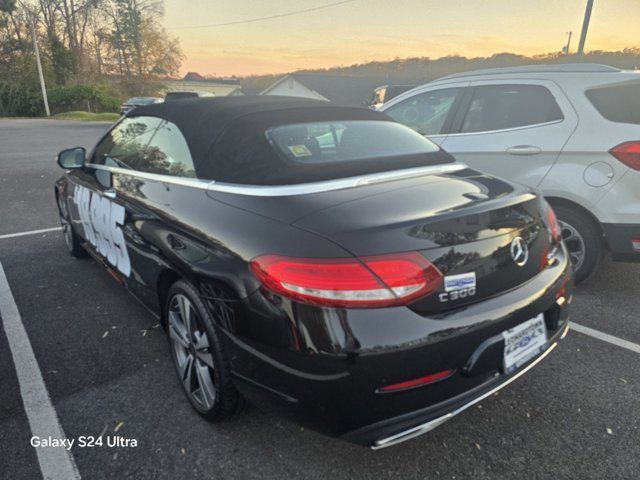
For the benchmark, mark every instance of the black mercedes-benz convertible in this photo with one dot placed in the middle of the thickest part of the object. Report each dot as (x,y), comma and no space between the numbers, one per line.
(320,261)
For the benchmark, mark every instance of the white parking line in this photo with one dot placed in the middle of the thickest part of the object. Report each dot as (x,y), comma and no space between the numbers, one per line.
(56,463)
(30,232)
(605,337)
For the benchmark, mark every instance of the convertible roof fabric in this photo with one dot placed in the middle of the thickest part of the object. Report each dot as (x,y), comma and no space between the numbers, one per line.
(203,120)
(228,143)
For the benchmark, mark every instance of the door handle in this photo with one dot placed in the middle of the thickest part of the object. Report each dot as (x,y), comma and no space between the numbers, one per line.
(524,150)
(111,193)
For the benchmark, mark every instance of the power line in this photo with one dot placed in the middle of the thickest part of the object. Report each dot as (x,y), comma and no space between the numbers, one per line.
(260,19)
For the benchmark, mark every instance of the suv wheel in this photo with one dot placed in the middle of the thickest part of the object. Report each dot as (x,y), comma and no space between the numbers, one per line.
(200,361)
(583,239)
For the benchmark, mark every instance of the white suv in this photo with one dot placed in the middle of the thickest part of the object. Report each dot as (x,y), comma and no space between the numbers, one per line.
(572,131)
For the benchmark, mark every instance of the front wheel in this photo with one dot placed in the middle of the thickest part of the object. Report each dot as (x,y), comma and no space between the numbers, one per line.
(583,239)
(201,363)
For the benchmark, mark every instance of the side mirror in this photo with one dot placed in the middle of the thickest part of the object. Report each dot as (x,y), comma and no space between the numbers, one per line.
(72,158)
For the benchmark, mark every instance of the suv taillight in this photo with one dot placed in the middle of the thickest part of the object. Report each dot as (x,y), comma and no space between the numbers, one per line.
(554,226)
(628,153)
(367,282)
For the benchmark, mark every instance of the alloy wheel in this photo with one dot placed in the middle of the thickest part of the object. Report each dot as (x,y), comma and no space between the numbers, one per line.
(575,244)
(192,353)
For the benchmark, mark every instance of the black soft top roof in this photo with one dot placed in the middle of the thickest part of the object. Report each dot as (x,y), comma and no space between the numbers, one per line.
(203,120)
(228,142)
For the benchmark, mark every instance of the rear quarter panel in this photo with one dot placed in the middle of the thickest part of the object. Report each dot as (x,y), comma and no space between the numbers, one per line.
(585,172)
(177,227)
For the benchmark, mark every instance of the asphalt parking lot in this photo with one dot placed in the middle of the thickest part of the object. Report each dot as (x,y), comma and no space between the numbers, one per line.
(106,368)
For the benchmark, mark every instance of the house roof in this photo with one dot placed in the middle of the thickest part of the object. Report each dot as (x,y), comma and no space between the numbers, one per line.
(191,76)
(343,89)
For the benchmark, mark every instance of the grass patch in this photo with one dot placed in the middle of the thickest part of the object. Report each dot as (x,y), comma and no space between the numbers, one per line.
(88,116)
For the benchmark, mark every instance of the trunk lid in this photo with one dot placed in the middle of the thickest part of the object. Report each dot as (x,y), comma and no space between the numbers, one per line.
(465,224)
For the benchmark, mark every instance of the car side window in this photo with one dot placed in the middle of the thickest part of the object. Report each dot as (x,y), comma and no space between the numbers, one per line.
(499,107)
(425,112)
(124,145)
(167,153)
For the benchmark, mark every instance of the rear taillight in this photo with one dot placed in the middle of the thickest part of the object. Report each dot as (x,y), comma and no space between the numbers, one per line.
(628,153)
(554,226)
(378,281)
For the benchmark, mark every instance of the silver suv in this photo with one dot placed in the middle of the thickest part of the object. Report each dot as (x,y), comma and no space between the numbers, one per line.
(571,130)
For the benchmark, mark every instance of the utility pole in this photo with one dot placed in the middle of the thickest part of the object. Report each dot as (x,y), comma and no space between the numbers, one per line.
(35,47)
(566,48)
(585,27)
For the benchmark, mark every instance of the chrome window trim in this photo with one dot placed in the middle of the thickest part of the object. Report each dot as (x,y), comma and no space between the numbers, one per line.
(511,129)
(288,190)
(184,181)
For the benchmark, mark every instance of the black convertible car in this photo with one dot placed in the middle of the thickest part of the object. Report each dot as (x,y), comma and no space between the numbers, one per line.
(321,261)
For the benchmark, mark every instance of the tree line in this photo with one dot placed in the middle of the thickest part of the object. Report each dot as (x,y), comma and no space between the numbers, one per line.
(93,52)
(419,70)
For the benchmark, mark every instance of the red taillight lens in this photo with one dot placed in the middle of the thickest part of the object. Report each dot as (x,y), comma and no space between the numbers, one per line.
(379,281)
(628,153)
(416,382)
(554,226)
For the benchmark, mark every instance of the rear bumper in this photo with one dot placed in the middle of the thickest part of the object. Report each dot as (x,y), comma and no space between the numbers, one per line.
(400,429)
(620,239)
(324,367)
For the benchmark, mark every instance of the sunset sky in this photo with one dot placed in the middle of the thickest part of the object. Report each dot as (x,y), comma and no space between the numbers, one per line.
(363,30)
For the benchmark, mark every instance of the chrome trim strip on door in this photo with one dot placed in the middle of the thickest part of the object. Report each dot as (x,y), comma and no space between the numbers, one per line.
(184,181)
(510,129)
(426,427)
(287,190)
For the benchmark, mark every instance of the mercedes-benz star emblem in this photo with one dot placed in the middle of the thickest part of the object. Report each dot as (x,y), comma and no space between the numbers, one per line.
(519,251)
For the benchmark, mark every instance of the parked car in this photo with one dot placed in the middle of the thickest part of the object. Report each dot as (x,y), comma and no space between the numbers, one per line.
(134,102)
(571,130)
(387,92)
(170,96)
(370,287)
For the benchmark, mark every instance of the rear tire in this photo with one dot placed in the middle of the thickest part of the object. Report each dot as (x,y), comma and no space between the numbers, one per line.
(583,239)
(201,363)
(71,239)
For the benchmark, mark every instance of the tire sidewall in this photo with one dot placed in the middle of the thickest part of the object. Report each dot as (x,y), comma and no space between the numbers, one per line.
(591,236)
(75,249)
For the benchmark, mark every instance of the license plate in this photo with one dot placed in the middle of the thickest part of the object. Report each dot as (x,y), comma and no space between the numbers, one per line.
(523,342)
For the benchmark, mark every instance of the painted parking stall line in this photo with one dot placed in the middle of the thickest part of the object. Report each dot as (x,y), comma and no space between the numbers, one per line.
(55,463)
(30,232)
(605,337)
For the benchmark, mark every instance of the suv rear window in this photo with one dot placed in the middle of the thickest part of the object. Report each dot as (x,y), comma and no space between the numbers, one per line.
(618,103)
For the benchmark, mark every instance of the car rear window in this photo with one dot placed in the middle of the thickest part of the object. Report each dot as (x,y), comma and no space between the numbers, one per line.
(617,103)
(317,151)
(180,95)
(331,142)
